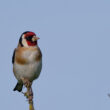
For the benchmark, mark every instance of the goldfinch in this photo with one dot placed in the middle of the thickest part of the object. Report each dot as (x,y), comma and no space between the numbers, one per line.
(27,59)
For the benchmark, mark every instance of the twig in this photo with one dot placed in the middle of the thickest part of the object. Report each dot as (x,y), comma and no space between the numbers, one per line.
(29,93)
(30,98)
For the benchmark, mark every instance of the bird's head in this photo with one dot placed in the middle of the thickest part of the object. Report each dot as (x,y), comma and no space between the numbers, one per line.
(28,39)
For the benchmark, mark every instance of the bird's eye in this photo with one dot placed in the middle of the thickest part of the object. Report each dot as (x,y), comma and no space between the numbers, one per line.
(29,38)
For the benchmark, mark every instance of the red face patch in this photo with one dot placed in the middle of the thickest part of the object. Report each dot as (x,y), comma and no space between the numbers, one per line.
(32,43)
(28,37)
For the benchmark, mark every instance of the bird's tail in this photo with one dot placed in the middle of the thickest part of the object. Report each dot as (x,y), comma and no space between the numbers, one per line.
(18,87)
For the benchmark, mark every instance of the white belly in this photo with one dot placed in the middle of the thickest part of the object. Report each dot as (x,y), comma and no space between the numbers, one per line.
(30,71)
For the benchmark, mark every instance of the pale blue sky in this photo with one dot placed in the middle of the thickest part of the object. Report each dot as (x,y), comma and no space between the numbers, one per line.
(75,42)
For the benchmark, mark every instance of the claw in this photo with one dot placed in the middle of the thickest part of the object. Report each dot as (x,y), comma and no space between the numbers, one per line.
(26,94)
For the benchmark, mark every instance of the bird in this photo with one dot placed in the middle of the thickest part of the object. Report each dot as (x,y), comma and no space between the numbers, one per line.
(26,59)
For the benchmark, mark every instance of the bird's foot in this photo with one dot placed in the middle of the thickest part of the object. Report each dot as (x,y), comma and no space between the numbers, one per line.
(26,82)
(29,93)
(26,94)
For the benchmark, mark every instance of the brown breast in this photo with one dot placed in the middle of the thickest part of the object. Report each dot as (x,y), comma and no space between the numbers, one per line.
(19,55)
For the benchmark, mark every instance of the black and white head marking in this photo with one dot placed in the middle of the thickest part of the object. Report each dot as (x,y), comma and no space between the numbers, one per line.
(21,38)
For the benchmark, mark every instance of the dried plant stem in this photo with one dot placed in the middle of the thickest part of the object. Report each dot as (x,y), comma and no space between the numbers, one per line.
(29,93)
(30,99)
(31,107)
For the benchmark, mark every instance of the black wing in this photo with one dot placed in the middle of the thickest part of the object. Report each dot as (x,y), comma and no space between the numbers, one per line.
(13,57)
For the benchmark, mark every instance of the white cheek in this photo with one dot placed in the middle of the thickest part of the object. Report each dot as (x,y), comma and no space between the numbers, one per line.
(24,43)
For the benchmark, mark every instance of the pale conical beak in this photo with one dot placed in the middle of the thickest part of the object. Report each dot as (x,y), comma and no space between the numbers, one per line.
(35,38)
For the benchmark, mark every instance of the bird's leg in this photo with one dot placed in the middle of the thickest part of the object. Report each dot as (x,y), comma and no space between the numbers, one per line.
(27,84)
(29,93)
